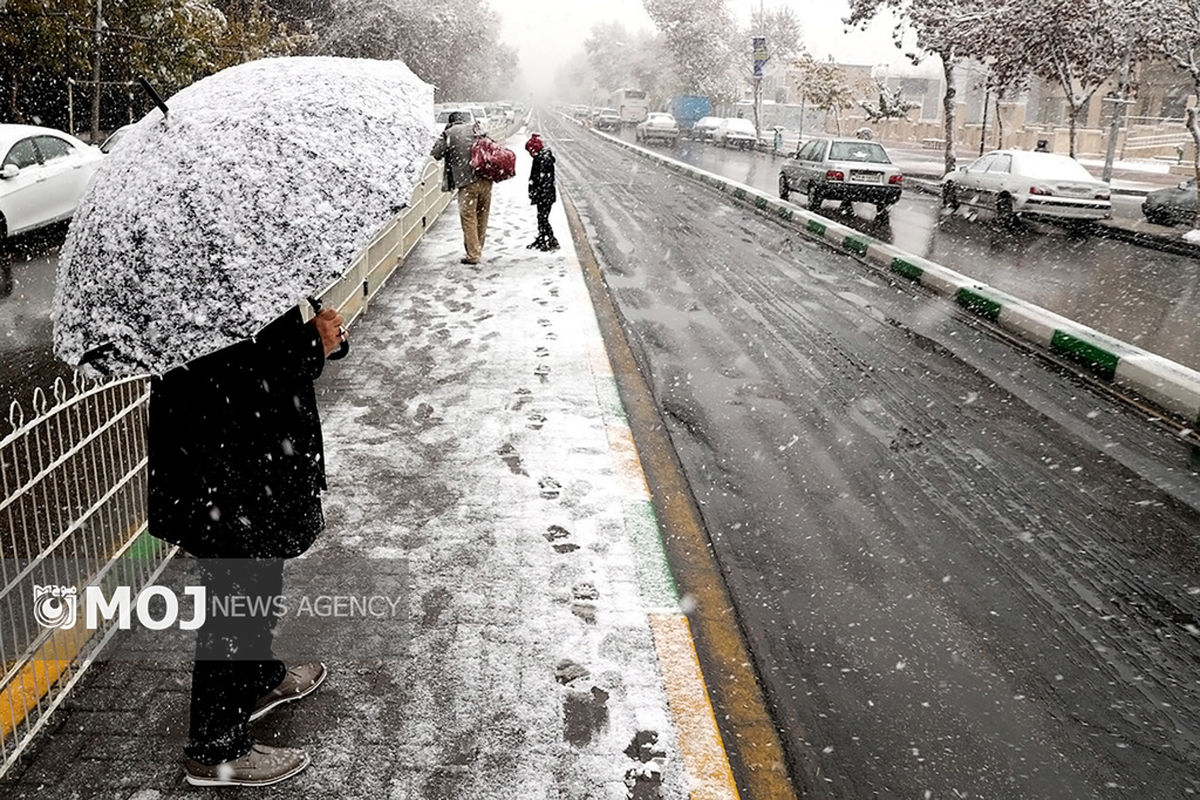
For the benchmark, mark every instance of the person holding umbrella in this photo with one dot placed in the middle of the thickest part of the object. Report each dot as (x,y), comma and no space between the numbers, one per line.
(474,192)
(236,467)
(188,261)
(541,191)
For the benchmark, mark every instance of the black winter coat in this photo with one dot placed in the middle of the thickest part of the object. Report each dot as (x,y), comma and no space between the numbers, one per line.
(541,179)
(236,461)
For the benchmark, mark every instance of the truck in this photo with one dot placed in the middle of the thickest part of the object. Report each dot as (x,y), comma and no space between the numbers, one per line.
(688,108)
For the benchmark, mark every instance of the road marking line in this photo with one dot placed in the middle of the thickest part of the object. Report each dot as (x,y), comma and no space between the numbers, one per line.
(699,740)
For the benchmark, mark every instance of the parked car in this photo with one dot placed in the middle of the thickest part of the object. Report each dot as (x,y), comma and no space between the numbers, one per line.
(43,175)
(704,127)
(735,132)
(607,119)
(848,170)
(657,126)
(1171,205)
(443,116)
(1011,182)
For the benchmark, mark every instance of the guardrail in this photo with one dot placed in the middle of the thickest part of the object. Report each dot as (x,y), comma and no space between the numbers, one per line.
(74,479)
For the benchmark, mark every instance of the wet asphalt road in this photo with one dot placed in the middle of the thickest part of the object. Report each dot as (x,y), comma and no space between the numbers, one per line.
(27,269)
(963,572)
(1136,294)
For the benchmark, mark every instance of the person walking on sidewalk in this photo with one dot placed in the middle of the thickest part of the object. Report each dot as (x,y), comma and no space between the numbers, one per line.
(474,193)
(236,467)
(542,192)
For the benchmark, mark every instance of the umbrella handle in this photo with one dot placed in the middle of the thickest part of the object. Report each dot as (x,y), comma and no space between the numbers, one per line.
(344,348)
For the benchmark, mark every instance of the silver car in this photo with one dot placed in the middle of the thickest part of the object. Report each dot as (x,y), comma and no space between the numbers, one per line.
(658,126)
(848,170)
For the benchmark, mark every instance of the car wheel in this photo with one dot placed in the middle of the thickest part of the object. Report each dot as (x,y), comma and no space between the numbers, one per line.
(815,198)
(950,196)
(881,209)
(1004,209)
(784,191)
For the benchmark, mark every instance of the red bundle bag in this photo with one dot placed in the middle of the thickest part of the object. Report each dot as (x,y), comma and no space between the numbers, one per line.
(492,161)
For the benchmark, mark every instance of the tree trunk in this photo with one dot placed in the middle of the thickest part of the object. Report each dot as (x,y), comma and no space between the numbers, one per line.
(1193,123)
(1074,115)
(999,126)
(948,112)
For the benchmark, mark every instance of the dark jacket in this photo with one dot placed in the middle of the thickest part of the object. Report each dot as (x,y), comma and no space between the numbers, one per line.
(454,145)
(541,179)
(236,461)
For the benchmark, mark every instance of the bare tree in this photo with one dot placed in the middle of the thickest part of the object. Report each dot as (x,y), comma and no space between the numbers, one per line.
(1174,31)
(949,29)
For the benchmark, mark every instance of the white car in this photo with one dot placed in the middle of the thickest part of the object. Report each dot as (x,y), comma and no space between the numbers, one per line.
(660,126)
(43,175)
(443,116)
(735,132)
(704,127)
(1012,182)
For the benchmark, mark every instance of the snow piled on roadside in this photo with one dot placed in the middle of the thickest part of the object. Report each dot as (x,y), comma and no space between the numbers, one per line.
(1192,236)
(260,186)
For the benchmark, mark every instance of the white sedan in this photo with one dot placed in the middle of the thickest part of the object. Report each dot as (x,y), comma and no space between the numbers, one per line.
(43,175)
(662,127)
(735,132)
(1011,182)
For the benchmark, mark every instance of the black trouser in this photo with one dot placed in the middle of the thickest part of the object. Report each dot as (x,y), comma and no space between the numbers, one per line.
(545,236)
(234,664)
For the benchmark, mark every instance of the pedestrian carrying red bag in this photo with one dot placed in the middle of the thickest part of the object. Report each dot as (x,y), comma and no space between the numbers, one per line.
(493,162)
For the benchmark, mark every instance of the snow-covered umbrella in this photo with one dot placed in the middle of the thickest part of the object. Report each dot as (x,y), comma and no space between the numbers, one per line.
(256,190)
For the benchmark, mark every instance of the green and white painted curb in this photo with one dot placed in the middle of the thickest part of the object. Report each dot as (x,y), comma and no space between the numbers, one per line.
(1165,383)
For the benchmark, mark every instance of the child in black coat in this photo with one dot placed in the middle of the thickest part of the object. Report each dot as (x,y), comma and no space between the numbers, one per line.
(541,191)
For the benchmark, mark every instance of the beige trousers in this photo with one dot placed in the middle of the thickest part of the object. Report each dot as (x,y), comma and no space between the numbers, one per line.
(474,203)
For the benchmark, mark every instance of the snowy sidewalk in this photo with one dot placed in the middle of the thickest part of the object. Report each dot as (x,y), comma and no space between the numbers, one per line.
(475,436)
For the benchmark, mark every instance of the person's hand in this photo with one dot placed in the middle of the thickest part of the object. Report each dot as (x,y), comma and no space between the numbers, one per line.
(332,328)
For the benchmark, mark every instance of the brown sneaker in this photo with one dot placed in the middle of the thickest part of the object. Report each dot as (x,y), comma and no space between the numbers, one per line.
(262,766)
(300,681)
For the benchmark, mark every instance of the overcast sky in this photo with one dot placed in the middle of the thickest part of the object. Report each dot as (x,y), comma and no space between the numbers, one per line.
(547,33)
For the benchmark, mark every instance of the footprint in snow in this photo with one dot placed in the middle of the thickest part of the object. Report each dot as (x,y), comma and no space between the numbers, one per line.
(536,421)
(543,322)
(557,536)
(542,352)
(509,455)
(542,370)
(583,601)
(585,710)
(549,488)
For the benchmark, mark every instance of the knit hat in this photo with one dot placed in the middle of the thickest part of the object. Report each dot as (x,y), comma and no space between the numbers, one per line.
(534,145)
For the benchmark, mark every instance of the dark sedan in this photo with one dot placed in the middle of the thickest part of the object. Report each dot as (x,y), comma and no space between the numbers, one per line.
(1169,206)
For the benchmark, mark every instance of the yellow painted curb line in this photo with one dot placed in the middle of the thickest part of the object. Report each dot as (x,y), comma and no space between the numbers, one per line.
(699,740)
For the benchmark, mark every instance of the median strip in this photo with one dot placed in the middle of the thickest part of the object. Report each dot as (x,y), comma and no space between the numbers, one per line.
(1167,384)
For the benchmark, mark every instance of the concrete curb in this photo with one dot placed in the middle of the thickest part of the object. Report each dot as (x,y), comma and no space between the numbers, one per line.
(1165,383)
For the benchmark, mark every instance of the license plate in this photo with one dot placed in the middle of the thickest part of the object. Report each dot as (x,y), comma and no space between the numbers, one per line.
(866,177)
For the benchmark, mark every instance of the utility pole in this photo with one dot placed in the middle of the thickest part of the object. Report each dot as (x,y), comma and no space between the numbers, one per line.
(760,60)
(1119,102)
(96,72)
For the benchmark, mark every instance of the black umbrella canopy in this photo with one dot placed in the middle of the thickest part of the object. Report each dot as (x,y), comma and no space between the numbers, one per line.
(258,188)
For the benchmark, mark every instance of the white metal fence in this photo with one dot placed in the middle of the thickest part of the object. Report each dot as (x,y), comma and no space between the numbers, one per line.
(74,479)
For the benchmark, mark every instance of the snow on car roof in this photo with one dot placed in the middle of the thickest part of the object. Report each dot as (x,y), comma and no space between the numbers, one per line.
(10,134)
(1048,166)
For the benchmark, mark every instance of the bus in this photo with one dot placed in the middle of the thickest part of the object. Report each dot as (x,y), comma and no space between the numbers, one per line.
(630,104)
